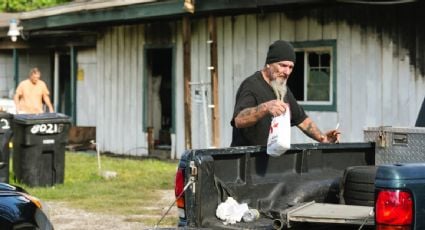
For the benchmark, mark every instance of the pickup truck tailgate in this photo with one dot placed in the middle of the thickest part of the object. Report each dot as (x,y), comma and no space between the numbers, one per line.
(330,213)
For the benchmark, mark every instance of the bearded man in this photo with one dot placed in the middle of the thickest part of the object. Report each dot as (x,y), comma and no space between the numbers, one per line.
(257,103)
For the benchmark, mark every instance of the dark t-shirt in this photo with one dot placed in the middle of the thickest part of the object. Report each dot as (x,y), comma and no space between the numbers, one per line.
(253,91)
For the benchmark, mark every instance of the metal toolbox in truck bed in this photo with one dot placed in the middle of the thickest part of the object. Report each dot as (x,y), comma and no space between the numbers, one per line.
(397,144)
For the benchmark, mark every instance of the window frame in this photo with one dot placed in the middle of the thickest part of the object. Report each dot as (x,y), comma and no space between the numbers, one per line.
(318,46)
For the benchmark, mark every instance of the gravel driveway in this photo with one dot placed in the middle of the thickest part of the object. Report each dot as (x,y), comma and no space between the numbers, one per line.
(64,217)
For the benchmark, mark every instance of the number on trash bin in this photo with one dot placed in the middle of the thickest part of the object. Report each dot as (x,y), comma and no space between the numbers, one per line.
(5,124)
(46,128)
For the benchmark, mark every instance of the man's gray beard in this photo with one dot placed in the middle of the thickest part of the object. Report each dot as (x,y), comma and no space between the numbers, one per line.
(279,87)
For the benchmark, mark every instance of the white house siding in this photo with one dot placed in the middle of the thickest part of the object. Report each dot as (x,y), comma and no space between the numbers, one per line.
(226,84)
(119,94)
(374,85)
(86,87)
(200,58)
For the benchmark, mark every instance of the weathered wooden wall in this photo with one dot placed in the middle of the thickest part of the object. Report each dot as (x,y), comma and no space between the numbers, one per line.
(201,79)
(120,87)
(119,95)
(86,87)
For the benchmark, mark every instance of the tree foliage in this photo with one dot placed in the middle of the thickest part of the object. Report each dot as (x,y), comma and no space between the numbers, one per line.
(26,5)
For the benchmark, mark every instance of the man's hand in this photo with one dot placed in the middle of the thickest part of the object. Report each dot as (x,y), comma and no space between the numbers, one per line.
(311,130)
(250,116)
(332,136)
(276,107)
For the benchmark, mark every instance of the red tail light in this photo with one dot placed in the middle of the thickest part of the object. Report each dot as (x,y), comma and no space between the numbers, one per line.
(394,209)
(178,188)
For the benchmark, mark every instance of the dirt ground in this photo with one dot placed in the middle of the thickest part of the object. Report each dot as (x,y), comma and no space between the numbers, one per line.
(64,217)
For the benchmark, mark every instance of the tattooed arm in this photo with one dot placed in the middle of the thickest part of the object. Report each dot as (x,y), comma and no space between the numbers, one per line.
(310,129)
(250,116)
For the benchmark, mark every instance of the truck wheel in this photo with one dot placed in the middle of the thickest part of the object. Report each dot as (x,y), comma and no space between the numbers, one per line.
(359,185)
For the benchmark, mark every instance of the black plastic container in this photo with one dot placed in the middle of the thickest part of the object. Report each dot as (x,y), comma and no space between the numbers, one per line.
(39,148)
(5,135)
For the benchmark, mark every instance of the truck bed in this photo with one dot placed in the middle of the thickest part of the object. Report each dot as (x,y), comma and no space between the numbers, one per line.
(306,172)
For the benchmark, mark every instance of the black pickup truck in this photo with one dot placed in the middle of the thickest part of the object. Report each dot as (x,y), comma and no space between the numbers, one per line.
(311,186)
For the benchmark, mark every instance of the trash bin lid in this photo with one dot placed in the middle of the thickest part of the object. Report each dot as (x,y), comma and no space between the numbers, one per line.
(30,119)
(5,115)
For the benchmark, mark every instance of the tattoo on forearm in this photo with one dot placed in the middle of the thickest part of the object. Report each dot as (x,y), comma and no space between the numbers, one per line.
(312,131)
(249,116)
(247,112)
(250,111)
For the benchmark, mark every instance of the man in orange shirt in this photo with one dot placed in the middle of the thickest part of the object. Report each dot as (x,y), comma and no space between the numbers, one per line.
(31,93)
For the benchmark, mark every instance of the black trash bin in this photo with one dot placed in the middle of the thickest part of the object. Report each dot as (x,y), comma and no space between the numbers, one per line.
(5,136)
(39,148)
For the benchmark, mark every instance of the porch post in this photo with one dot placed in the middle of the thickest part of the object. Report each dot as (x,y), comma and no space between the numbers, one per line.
(16,67)
(212,30)
(187,78)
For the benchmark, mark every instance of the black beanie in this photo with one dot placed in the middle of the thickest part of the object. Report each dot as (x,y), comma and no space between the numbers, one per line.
(280,51)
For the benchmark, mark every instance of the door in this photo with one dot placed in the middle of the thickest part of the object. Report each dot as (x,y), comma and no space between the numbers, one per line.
(64,103)
(158,94)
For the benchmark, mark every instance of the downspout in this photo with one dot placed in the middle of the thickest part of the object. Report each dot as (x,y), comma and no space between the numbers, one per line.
(56,82)
(16,67)
(73,84)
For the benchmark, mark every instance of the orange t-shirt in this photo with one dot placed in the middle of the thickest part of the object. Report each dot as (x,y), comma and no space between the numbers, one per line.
(31,96)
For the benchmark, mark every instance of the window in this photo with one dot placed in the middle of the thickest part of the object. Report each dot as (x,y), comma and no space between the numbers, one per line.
(313,80)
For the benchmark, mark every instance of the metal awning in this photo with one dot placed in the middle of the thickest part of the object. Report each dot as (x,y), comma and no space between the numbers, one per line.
(78,6)
(89,15)
(116,11)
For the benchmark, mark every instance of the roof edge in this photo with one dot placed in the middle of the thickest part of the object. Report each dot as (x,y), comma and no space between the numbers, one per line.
(115,14)
(79,6)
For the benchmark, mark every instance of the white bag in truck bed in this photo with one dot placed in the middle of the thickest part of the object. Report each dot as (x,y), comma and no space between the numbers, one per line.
(331,213)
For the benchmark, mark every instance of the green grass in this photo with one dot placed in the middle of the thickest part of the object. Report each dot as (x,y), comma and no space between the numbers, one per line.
(134,188)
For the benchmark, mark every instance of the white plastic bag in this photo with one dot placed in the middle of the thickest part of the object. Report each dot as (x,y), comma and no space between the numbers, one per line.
(231,211)
(280,135)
